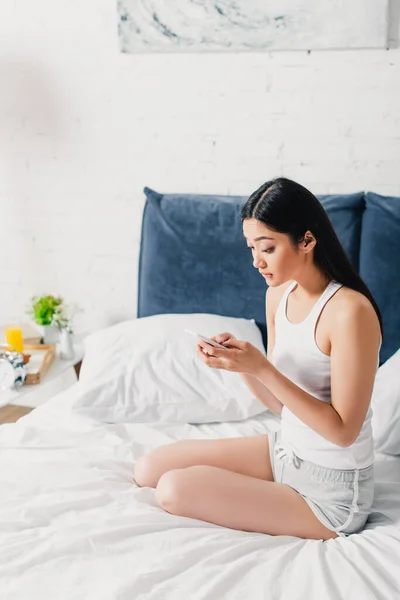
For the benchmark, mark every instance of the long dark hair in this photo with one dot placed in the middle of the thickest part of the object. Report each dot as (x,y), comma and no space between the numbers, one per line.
(287,207)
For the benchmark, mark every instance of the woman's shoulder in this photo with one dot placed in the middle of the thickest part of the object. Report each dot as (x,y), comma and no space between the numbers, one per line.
(351,315)
(348,300)
(350,305)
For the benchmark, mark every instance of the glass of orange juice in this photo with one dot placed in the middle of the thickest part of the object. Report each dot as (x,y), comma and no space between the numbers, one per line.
(14,337)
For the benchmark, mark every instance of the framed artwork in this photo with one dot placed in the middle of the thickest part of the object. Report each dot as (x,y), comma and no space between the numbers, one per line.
(250,25)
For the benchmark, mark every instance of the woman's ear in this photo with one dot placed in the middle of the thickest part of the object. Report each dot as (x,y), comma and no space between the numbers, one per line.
(308,242)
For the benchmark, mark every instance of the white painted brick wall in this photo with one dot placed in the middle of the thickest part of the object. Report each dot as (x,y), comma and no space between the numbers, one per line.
(83,128)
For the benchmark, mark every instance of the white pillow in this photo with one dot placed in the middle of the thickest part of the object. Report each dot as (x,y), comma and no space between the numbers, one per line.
(148,370)
(385,403)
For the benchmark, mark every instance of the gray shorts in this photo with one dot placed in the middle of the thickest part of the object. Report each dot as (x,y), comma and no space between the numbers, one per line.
(340,498)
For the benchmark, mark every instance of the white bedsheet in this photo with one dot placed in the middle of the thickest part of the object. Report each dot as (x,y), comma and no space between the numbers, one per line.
(74,525)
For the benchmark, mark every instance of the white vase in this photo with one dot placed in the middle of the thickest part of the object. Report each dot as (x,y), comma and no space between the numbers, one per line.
(66,347)
(51,334)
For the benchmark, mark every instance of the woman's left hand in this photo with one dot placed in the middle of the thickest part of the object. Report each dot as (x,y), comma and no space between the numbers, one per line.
(240,357)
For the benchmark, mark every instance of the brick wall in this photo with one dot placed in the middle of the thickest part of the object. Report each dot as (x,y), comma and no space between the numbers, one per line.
(83,128)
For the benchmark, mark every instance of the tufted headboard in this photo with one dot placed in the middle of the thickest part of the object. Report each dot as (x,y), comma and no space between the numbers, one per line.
(194,259)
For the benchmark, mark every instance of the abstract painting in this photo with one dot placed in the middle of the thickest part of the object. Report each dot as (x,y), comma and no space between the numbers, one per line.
(250,25)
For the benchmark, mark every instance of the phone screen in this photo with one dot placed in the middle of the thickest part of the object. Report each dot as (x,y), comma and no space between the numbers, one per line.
(206,339)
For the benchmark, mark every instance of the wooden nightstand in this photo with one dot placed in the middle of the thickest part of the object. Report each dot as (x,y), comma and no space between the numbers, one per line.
(61,375)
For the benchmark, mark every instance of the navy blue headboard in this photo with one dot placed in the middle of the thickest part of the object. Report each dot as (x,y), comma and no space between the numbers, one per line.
(194,259)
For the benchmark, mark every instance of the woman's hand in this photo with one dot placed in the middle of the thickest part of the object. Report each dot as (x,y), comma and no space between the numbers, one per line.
(240,357)
(221,338)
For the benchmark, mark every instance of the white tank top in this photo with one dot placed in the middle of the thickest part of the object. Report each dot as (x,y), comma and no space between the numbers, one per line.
(297,356)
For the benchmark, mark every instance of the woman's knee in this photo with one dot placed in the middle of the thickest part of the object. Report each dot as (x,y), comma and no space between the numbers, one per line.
(144,472)
(174,489)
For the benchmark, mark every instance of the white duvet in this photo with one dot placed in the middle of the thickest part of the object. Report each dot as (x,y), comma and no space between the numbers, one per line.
(74,525)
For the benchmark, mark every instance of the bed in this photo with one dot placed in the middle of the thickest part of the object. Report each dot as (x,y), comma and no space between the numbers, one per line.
(73,523)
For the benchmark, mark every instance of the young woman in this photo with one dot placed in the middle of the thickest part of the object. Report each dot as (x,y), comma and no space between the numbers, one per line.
(314,477)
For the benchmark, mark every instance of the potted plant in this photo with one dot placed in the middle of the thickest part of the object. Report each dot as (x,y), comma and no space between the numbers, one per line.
(50,313)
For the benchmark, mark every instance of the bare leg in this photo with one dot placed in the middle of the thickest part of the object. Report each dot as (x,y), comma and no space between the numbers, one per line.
(245,455)
(239,502)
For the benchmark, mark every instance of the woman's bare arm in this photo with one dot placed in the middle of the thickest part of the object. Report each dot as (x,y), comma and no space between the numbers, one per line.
(262,393)
(255,386)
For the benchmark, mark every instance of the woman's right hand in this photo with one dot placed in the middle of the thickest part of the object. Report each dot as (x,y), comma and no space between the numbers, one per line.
(222,338)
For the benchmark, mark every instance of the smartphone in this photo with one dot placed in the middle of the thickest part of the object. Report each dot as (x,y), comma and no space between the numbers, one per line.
(206,339)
